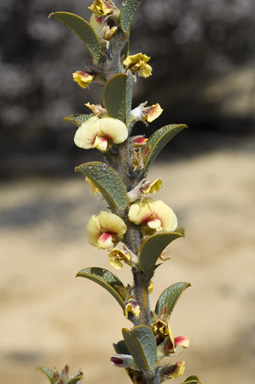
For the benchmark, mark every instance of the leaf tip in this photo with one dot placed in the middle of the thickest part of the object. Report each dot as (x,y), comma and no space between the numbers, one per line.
(51,15)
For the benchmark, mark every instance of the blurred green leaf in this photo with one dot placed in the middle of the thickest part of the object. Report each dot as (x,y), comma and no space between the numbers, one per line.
(158,141)
(170,296)
(125,50)
(108,281)
(82,29)
(118,96)
(141,343)
(48,372)
(127,13)
(153,246)
(192,380)
(107,181)
(77,119)
(74,380)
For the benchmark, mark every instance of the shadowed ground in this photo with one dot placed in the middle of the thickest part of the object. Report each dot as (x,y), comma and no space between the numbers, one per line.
(49,317)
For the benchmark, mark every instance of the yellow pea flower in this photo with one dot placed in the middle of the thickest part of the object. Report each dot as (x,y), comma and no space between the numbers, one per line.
(102,7)
(153,215)
(83,78)
(105,230)
(100,133)
(138,64)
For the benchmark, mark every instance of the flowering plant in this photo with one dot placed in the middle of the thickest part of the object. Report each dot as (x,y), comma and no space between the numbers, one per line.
(135,229)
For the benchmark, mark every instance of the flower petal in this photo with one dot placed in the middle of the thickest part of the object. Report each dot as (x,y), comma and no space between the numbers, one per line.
(112,223)
(87,132)
(113,129)
(166,215)
(141,211)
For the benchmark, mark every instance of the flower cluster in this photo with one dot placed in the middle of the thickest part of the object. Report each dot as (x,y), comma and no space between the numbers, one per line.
(136,228)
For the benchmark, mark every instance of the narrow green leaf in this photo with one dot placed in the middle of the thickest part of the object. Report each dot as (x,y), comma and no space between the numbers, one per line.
(82,29)
(107,181)
(158,141)
(153,246)
(118,96)
(74,380)
(48,372)
(127,13)
(77,119)
(192,380)
(141,343)
(170,296)
(108,281)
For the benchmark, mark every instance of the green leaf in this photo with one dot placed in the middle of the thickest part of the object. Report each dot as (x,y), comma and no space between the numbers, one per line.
(74,380)
(192,380)
(158,141)
(82,29)
(118,96)
(170,296)
(141,343)
(153,246)
(107,181)
(48,372)
(77,119)
(108,281)
(121,348)
(125,50)
(127,13)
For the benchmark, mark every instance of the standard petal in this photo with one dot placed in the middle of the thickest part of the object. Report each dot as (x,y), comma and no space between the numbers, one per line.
(141,211)
(166,215)
(113,129)
(93,230)
(112,223)
(86,133)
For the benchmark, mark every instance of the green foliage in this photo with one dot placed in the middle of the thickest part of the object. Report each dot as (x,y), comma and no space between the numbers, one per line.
(127,13)
(158,140)
(192,380)
(108,281)
(82,29)
(141,343)
(170,296)
(77,119)
(152,248)
(47,372)
(108,182)
(118,96)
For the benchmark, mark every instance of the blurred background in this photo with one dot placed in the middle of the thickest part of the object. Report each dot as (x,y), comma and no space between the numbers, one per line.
(203,58)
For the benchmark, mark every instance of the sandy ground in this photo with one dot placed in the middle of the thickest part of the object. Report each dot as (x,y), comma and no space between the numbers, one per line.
(48,317)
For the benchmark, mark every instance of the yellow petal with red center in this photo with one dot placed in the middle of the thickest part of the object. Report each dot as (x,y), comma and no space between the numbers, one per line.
(105,230)
(83,78)
(105,241)
(86,134)
(101,143)
(183,341)
(141,211)
(153,112)
(154,224)
(112,223)
(166,215)
(113,129)
(102,7)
